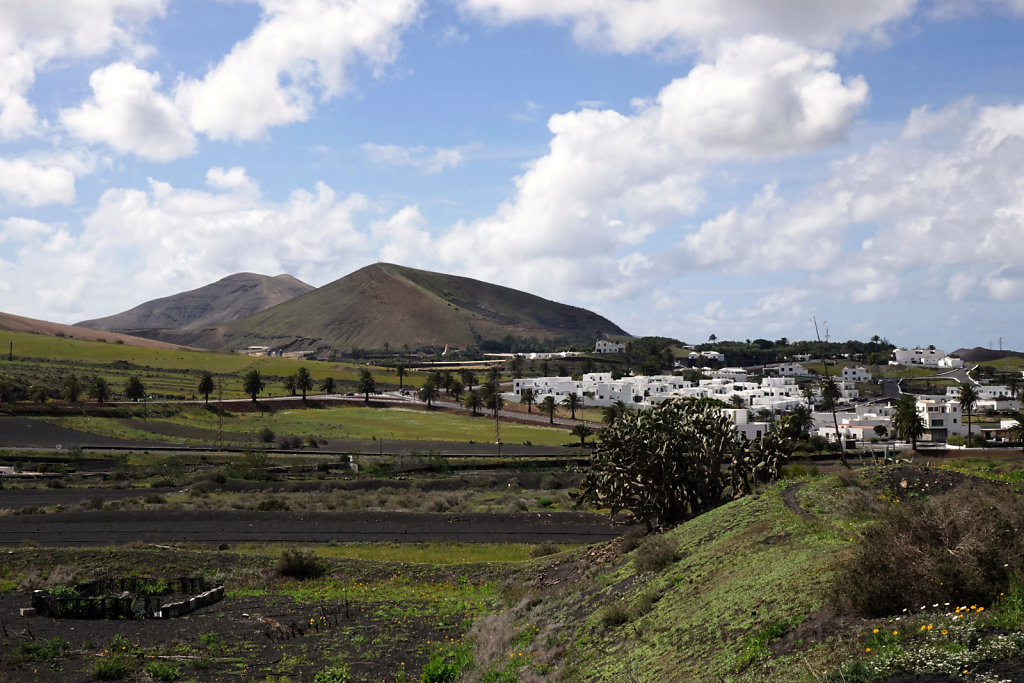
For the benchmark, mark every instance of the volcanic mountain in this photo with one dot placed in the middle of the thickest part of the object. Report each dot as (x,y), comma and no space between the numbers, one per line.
(236,296)
(379,305)
(385,304)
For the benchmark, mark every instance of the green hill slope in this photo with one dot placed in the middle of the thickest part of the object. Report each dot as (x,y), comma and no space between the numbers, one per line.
(388,304)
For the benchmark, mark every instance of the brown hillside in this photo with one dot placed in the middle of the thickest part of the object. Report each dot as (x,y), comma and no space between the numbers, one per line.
(16,323)
(236,296)
(389,304)
(982,355)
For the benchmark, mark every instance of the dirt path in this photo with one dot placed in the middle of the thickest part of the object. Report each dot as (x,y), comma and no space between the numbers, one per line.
(791,501)
(114,527)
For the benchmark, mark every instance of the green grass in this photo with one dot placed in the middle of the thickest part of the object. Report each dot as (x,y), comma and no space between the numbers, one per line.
(348,422)
(419,553)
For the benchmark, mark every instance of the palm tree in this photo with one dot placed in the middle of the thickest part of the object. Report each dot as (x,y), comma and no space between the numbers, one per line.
(549,406)
(573,402)
(968,401)
(366,384)
(468,378)
(473,401)
(830,395)
(737,401)
(808,394)
(429,392)
(99,389)
(206,385)
(290,384)
(327,385)
(72,388)
(798,423)
(495,403)
(528,399)
(400,371)
(494,373)
(303,382)
(252,384)
(907,423)
(583,431)
(610,414)
(516,365)
(134,389)
(455,388)
(1016,432)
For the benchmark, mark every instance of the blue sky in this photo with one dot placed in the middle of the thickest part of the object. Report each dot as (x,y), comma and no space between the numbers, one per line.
(684,167)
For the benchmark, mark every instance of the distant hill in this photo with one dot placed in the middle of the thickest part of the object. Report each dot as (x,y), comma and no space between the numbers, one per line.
(389,304)
(236,296)
(981,355)
(17,323)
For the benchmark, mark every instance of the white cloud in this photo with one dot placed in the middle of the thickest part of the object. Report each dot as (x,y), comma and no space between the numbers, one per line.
(701,25)
(936,216)
(35,35)
(128,114)
(300,52)
(611,180)
(140,244)
(234,178)
(35,183)
(421,158)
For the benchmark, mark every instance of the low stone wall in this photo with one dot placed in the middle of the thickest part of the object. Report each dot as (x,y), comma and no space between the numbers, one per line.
(119,598)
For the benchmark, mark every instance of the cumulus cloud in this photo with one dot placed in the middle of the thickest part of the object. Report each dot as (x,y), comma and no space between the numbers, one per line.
(701,25)
(299,54)
(160,239)
(34,35)
(611,180)
(930,214)
(35,182)
(425,159)
(127,113)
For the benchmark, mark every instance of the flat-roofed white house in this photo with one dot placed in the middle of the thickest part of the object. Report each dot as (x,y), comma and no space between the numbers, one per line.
(857,374)
(792,370)
(697,356)
(606,346)
(926,357)
(941,418)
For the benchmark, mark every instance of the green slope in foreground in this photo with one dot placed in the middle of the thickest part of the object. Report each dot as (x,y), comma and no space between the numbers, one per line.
(743,596)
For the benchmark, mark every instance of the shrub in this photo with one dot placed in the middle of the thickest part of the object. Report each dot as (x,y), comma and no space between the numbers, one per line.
(300,564)
(338,673)
(272,504)
(43,650)
(544,549)
(960,547)
(447,664)
(615,614)
(654,554)
(162,671)
(266,435)
(112,668)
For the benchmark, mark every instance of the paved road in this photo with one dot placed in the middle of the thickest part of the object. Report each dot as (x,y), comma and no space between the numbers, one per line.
(112,527)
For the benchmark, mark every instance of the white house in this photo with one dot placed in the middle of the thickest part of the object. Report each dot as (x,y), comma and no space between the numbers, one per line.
(605,346)
(941,418)
(950,362)
(856,375)
(792,370)
(699,356)
(926,357)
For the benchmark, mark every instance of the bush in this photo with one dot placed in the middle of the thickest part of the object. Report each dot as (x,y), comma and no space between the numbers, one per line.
(960,547)
(162,671)
(300,564)
(544,549)
(654,554)
(615,614)
(43,650)
(338,673)
(112,668)
(266,435)
(446,664)
(272,504)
